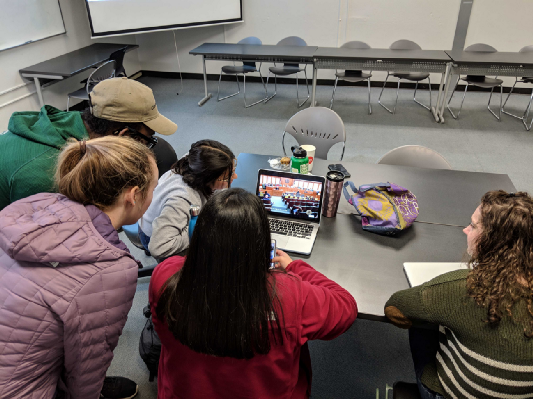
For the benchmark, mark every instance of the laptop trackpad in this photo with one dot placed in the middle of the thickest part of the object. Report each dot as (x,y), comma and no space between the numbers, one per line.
(281,241)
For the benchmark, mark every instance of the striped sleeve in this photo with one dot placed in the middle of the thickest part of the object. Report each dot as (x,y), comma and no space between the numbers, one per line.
(466,374)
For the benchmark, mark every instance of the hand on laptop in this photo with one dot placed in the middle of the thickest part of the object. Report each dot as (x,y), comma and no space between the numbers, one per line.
(282,259)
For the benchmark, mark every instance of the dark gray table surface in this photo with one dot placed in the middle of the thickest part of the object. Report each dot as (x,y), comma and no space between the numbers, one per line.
(444,196)
(368,265)
(491,58)
(251,51)
(72,63)
(382,54)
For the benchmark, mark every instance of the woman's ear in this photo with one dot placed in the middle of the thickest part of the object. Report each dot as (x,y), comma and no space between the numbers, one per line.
(130,195)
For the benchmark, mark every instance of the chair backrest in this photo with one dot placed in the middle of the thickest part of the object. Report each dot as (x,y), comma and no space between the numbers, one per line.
(415,155)
(254,41)
(118,57)
(103,72)
(318,126)
(292,41)
(404,45)
(251,40)
(526,49)
(355,44)
(481,47)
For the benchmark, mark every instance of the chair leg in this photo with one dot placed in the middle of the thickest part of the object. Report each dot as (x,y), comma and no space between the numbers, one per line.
(263,83)
(307,84)
(333,94)
(464,95)
(419,103)
(244,91)
(507,99)
(369,104)
(267,99)
(380,94)
(231,95)
(499,117)
(397,93)
(450,100)
(526,114)
(68,103)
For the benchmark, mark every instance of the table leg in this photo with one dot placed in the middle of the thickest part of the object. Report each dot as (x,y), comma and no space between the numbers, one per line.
(207,95)
(435,110)
(39,91)
(313,102)
(449,75)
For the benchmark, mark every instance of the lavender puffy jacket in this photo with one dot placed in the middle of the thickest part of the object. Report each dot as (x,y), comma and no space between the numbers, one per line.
(66,285)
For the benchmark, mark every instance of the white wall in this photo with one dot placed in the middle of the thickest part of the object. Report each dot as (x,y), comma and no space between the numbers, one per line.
(78,35)
(505,24)
(502,23)
(270,20)
(320,22)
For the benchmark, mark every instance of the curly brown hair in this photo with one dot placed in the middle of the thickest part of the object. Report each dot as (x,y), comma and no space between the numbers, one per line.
(502,263)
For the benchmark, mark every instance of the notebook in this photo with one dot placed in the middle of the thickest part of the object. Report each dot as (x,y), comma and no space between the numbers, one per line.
(294,205)
(421,272)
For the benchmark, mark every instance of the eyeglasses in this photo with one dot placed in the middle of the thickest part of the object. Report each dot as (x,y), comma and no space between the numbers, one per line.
(150,142)
(232,173)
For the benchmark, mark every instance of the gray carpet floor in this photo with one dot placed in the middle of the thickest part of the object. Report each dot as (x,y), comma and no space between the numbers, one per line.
(370,354)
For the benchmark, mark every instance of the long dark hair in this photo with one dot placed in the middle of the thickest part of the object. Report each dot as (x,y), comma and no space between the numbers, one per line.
(502,263)
(223,301)
(206,162)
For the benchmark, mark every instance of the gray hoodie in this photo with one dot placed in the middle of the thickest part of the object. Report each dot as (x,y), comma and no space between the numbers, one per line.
(166,221)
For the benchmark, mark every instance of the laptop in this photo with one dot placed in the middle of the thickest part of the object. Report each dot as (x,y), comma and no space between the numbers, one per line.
(294,205)
(421,272)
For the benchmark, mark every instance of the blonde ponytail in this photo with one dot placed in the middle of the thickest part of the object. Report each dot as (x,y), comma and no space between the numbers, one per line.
(97,171)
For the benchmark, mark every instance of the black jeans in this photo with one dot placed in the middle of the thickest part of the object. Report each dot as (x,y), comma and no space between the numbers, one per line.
(424,344)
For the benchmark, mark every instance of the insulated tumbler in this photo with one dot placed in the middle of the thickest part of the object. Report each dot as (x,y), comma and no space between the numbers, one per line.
(332,195)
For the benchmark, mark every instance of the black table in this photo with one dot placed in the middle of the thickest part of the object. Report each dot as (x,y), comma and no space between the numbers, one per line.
(376,59)
(483,63)
(72,63)
(446,197)
(371,266)
(251,52)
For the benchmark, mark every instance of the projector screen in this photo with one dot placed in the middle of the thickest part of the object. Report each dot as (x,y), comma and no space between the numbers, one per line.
(119,17)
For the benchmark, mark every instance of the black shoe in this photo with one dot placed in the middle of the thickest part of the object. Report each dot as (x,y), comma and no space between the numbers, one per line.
(118,388)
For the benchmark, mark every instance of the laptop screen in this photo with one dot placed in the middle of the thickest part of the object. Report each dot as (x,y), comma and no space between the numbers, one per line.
(290,194)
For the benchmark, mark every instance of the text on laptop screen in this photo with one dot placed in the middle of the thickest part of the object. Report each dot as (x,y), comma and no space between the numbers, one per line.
(294,197)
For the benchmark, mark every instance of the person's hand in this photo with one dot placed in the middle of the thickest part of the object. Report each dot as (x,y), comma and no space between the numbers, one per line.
(282,260)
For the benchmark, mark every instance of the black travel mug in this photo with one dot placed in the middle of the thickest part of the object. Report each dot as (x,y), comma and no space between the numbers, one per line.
(332,195)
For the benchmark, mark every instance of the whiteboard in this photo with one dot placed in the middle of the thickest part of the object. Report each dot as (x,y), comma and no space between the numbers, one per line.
(26,21)
(118,17)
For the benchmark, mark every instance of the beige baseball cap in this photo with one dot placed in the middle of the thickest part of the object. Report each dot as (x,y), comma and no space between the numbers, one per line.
(126,100)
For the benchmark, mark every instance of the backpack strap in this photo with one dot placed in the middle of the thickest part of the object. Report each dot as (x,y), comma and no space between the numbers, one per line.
(345,191)
(368,187)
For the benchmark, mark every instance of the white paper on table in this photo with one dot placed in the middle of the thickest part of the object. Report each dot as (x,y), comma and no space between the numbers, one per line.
(421,272)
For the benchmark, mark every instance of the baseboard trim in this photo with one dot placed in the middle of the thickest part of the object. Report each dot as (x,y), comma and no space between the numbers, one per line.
(321,82)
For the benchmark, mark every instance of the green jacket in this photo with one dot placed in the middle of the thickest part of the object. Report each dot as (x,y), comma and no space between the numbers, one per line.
(30,148)
(474,360)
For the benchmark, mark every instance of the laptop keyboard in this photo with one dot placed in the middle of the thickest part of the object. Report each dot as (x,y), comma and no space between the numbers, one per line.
(288,228)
